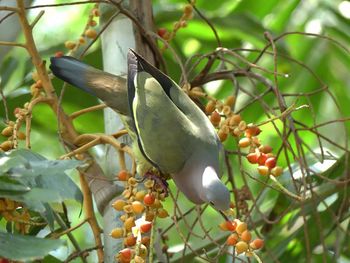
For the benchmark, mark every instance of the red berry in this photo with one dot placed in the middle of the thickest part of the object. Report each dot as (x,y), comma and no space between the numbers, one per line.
(270,162)
(149,199)
(146,227)
(162,31)
(231,225)
(262,159)
(125,254)
(252,158)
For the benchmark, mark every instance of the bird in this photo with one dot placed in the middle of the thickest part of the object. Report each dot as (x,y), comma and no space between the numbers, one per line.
(168,130)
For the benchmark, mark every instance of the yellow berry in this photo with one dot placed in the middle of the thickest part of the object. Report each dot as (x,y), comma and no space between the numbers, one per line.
(140,195)
(132,181)
(226,110)
(127,209)
(242,125)
(91,33)
(241,227)
(263,170)
(244,142)
(7,131)
(230,100)
(119,204)
(129,223)
(241,247)
(82,40)
(149,183)
(70,44)
(277,171)
(235,120)
(117,233)
(6,145)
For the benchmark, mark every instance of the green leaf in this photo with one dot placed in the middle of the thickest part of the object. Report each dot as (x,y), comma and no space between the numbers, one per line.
(25,248)
(45,179)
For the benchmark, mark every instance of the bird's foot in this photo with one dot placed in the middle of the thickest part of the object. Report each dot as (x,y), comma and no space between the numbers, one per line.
(159,181)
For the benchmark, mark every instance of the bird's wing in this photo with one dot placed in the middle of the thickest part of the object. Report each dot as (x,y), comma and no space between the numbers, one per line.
(109,88)
(166,136)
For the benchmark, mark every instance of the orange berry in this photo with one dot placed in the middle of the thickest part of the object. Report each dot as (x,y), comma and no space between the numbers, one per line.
(149,216)
(270,162)
(137,207)
(149,199)
(119,204)
(223,226)
(222,134)
(130,241)
(21,135)
(265,148)
(162,213)
(230,100)
(117,233)
(241,227)
(226,110)
(95,12)
(246,236)
(231,226)
(90,33)
(257,243)
(277,171)
(210,107)
(252,130)
(129,223)
(215,118)
(146,227)
(123,175)
(92,23)
(145,240)
(263,170)
(232,239)
(241,247)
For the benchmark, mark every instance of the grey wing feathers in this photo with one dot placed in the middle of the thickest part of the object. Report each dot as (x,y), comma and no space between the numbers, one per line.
(109,88)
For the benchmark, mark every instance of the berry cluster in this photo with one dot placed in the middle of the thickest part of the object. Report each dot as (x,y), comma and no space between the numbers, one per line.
(89,32)
(14,211)
(229,123)
(140,208)
(182,23)
(241,238)
(12,133)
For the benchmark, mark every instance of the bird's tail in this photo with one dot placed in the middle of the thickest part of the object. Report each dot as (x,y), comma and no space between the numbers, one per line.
(109,88)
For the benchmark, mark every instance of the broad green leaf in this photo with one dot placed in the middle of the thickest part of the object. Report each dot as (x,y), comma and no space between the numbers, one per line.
(26,248)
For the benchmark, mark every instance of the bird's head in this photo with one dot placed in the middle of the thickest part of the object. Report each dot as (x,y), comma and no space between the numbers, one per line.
(215,192)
